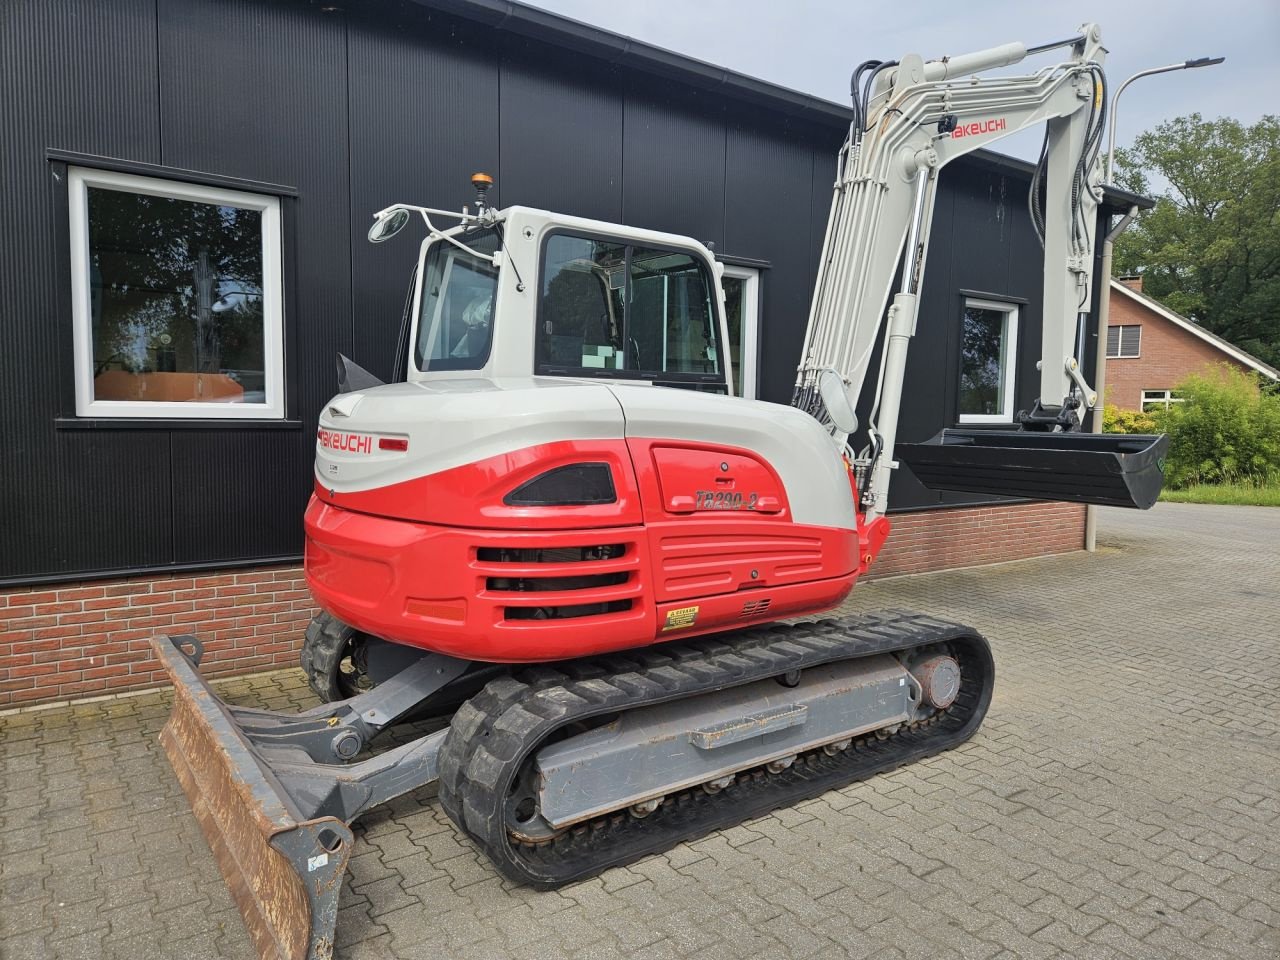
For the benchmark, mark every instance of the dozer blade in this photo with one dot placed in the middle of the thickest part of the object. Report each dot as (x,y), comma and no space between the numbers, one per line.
(1115,470)
(283,871)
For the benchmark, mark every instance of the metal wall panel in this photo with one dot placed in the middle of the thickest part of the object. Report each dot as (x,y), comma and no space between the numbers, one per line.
(239,494)
(358,108)
(674,150)
(76,75)
(768,209)
(561,134)
(423,118)
(258,90)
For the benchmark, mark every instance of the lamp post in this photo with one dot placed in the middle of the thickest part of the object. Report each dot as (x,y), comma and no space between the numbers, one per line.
(1115,101)
(1104,294)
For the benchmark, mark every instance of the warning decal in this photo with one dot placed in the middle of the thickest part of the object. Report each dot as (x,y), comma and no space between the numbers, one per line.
(680,618)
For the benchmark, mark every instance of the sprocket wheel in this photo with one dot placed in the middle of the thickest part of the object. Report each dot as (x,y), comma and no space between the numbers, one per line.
(333,658)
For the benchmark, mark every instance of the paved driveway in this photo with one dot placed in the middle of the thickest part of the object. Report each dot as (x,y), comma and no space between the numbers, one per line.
(1120,801)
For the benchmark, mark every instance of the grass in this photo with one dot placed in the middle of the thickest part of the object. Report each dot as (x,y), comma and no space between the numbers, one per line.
(1238,494)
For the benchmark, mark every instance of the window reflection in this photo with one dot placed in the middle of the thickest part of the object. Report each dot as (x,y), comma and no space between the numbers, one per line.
(176,308)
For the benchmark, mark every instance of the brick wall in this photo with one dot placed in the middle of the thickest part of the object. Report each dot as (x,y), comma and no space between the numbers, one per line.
(1168,354)
(86,639)
(81,639)
(969,537)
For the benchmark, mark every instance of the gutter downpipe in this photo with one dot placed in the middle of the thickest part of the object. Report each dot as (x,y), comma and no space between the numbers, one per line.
(1100,360)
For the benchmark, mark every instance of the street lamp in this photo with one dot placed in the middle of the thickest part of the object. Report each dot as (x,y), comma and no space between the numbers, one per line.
(1115,101)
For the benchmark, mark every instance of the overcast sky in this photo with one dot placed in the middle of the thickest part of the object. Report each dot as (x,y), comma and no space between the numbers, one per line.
(813,45)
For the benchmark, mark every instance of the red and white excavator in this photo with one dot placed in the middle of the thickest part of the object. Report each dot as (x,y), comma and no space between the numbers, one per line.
(563,540)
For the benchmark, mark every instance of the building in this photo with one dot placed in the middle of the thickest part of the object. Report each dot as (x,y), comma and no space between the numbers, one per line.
(1151,349)
(188,185)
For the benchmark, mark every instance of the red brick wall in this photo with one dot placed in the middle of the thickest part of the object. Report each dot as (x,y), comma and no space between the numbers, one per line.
(86,639)
(1168,354)
(968,537)
(82,639)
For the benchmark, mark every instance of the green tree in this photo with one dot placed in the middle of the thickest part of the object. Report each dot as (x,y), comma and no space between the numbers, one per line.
(1211,247)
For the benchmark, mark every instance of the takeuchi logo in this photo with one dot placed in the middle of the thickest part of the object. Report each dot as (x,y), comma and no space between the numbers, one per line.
(993,125)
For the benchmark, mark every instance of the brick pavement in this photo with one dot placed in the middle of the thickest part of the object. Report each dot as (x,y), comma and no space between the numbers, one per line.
(1120,801)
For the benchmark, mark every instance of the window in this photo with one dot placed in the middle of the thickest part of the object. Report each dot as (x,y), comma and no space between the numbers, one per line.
(741,306)
(1124,341)
(176,299)
(1159,399)
(988,361)
(455,322)
(608,306)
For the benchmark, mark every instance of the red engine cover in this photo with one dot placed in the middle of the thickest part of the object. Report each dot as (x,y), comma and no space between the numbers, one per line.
(699,539)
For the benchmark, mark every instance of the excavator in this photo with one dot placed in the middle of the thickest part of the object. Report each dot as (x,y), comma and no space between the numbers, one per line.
(560,541)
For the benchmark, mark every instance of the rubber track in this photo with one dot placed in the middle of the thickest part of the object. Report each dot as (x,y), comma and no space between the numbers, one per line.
(496,731)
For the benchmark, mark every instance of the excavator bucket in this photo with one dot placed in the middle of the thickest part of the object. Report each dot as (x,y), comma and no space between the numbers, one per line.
(284,871)
(1115,470)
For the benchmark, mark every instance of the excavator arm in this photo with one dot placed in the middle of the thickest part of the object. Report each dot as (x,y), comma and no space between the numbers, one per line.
(912,120)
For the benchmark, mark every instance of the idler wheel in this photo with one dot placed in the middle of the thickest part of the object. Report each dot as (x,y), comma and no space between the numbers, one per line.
(939,679)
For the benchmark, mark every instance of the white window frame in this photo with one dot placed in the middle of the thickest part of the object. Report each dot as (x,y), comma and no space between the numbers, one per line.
(1120,354)
(79,179)
(1158,398)
(1010,372)
(750,277)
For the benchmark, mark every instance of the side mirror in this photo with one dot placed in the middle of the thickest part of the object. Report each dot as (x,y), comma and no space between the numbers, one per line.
(836,399)
(388,223)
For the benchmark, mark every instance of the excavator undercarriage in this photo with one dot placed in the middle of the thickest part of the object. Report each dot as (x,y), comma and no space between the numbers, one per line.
(559,771)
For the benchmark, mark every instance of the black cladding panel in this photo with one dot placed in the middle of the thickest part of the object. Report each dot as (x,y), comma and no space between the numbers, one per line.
(768,185)
(258,90)
(561,134)
(358,106)
(423,119)
(214,471)
(674,145)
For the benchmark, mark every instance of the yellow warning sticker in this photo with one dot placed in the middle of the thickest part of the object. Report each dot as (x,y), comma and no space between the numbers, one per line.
(680,618)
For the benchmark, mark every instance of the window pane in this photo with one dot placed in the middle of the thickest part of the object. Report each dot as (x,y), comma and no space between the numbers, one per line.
(1113,341)
(583,282)
(984,363)
(733,290)
(455,328)
(671,326)
(175,292)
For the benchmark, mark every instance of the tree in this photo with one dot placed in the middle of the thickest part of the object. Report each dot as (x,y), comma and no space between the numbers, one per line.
(1210,249)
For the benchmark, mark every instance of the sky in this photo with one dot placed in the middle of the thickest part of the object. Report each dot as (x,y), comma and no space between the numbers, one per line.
(813,45)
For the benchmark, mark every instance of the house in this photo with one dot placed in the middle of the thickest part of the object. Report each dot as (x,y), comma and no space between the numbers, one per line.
(1150,349)
(188,185)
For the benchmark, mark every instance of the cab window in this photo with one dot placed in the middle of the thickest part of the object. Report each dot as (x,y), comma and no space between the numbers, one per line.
(620,310)
(455,322)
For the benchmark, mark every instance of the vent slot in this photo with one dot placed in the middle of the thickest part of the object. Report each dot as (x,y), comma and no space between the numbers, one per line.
(606,551)
(753,608)
(570,612)
(535,584)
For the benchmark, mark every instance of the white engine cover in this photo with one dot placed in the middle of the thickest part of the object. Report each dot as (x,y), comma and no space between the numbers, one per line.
(452,422)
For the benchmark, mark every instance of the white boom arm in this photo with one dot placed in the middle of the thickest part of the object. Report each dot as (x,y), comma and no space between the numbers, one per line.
(922,116)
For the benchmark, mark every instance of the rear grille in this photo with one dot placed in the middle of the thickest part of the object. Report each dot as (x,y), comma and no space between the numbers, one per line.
(607,551)
(567,612)
(753,608)
(534,584)
(561,583)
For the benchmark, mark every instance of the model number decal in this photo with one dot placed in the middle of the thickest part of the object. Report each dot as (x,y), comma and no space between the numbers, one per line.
(726,500)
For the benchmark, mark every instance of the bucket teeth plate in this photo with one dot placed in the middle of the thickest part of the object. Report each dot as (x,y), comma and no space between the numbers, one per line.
(284,873)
